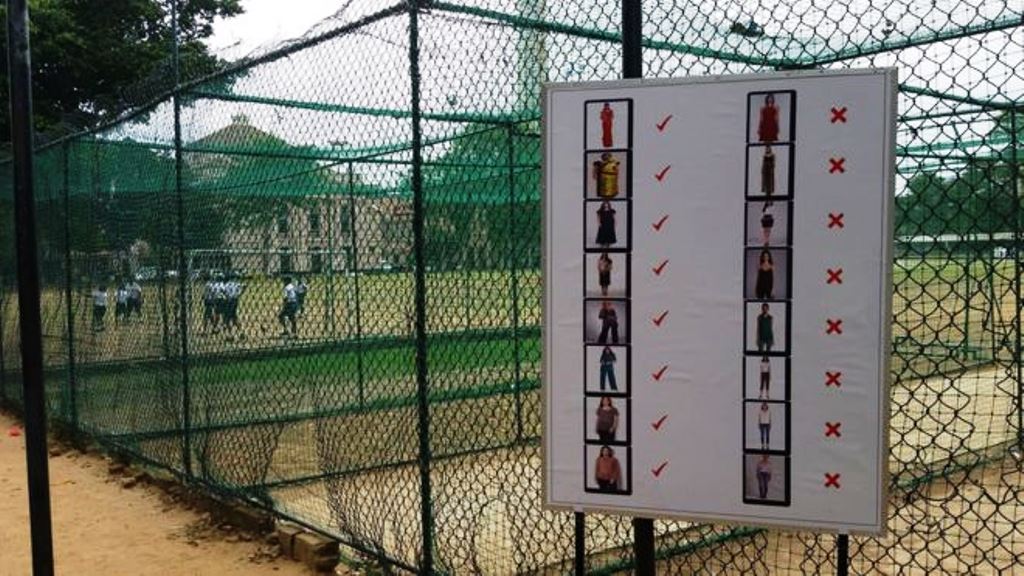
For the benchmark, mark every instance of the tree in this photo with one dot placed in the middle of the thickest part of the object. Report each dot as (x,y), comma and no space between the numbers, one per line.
(93,58)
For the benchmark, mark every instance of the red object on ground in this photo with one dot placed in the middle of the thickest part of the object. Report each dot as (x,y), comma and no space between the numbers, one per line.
(14,432)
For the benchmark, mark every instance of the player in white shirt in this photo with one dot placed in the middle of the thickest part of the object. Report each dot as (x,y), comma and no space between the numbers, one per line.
(210,304)
(134,299)
(289,307)
(232,293)
(120,304)
(100,299)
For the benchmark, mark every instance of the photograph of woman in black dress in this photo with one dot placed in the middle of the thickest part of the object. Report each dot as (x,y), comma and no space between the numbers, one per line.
(764,289)
(768,173)
(604,273)
(606,225)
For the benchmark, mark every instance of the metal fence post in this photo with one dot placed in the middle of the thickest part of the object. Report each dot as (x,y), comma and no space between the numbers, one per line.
(1017,244)
(514,280)
(72,382)
(20,79)
(353,253)
(580,542)
(843,555)
(632,67)
(186,401)
(419,258)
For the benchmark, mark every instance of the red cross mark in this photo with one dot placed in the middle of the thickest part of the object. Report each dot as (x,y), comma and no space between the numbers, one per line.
(832,429)
(834,326)
(832,379)
(835,276)
(836,165)
(835,220)
(832,480)
(839,115)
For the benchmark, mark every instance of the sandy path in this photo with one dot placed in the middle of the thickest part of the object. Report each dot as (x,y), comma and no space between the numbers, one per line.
(101,528)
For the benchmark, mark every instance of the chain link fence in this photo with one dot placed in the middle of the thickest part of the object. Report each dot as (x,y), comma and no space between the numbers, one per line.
(323,294)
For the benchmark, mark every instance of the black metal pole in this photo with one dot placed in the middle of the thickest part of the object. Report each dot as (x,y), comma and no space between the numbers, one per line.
(579,537)
(513,255)
(842,555)
(1017,245)
(419,258)
(69,312)
(183,300)
(353,253)
(632,38)
(20,79)
(632,67)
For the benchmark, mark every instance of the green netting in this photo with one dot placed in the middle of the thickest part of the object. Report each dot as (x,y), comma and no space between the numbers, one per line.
(311,161)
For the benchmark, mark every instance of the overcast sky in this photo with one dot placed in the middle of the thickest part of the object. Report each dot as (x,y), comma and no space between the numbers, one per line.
(264,22)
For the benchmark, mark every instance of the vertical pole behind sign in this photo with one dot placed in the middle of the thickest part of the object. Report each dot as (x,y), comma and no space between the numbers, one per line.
(632,67)
(28,287)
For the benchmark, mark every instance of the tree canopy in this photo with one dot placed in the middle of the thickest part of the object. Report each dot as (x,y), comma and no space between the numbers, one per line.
(93,58)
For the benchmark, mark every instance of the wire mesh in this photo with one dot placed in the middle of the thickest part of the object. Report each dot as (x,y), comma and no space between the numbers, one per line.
(262,340)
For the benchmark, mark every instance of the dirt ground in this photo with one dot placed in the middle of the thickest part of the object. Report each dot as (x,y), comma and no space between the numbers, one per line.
(102,528)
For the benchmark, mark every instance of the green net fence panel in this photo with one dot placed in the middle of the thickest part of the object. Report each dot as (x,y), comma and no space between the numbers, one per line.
(259,334)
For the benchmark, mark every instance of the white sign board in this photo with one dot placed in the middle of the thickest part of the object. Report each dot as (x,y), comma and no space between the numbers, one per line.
(717,297)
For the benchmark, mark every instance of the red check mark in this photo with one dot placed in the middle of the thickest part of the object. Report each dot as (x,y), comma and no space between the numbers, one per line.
(657,425)
(661,175)
(657,375)
(657,471)
(658,320)
(659,268)
(661,125)
(657,225)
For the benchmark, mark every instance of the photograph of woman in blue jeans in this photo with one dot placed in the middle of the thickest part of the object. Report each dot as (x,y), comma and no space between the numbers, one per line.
(608,369)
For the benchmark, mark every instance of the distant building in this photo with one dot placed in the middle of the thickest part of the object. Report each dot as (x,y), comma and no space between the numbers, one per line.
(290,213)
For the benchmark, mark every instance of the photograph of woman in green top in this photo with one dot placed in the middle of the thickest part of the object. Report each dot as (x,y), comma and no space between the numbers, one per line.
(765,330)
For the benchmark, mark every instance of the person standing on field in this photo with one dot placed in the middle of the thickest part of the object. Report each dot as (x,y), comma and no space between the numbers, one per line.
(232,294)
(289,308)
(300,295)
(100,299)
(134,299)
(210,304)
(120,304)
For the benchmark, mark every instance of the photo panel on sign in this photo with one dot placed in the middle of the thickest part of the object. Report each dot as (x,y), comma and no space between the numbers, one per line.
(769,172)
(766,325)
(765,479)
(608,469)
(607,274)
(765,377)
(766,274)
(770,117)
(608,124)
(607,175)
(765,426)
(607,420)
(607,370)
(606,225)
(605,321)
(767,223)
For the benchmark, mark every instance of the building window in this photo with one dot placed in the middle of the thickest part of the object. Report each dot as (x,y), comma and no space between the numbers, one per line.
(314,221)
(286,261)
(316,261)
(282,222)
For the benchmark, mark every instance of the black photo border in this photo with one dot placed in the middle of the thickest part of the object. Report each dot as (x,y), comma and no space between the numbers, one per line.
(789,331)
(628,195)
(628,441)
(786,501)
(790,176)
(628,372)
(757,356)
(754,205)
(788,421)
(628,222)
(629,470)
(629,125)
(750,107)
(627,335)
(789,272)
